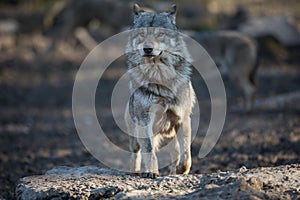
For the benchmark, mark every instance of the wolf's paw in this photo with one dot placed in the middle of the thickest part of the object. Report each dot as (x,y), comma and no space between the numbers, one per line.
(183,169)
(149,175)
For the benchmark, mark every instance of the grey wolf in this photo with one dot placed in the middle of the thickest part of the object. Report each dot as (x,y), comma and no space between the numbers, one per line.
(162,95)
(237,54)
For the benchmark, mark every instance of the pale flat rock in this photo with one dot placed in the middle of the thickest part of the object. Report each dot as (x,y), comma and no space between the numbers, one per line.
(90,182)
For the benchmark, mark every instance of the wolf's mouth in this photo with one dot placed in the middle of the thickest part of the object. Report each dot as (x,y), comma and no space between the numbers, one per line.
(148,55)
(152,55)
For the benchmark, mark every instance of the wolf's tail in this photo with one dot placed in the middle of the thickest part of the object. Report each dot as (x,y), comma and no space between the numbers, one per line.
(256,65)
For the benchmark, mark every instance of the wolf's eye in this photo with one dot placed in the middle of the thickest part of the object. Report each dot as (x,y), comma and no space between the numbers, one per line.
(141,34)
(159,35)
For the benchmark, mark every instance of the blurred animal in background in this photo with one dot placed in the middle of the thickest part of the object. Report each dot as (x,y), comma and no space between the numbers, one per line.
(236,54)
(162,96)
(109,16)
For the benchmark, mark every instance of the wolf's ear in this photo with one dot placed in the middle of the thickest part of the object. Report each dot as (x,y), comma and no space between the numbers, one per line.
(172,13)
(137,9)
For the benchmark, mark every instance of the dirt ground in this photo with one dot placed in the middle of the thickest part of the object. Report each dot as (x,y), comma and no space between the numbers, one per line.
(37,130)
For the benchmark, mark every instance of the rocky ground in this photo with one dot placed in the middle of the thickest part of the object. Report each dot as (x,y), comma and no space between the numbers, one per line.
(90,182)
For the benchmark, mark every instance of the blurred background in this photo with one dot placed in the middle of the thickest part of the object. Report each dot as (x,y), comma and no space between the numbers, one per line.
(43,42)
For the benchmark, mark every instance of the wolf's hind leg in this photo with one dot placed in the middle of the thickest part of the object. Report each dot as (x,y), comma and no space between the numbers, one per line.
(244,84)
(184,137)
(249,94)
(174,154)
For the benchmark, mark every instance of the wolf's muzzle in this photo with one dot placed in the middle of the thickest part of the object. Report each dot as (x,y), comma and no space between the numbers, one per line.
(148,51)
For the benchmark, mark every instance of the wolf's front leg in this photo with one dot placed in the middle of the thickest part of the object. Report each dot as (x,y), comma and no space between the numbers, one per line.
(148,154)
(184,138)
(136,155)
(135,164)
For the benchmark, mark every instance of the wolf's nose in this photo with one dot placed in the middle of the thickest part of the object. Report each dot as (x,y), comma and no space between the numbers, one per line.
(148,50)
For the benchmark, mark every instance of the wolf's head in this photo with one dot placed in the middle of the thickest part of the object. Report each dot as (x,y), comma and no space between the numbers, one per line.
(155,49)
(152,41)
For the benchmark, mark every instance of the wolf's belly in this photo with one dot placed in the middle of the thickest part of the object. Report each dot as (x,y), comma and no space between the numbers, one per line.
(167,125)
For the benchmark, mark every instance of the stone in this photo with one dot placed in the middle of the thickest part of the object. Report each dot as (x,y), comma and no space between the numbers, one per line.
(91,182)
